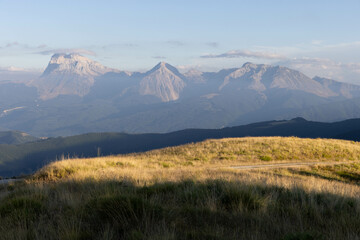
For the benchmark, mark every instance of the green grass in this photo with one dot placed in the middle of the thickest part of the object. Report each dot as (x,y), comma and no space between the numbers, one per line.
(265,158)
(349,173)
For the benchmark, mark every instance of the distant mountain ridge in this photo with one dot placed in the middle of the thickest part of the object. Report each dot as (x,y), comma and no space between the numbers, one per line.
(16,137)
(76,95)
(73,74)
(25,158)
(340,89)
(262,77)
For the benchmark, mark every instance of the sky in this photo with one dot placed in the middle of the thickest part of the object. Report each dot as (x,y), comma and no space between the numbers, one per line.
(316,37)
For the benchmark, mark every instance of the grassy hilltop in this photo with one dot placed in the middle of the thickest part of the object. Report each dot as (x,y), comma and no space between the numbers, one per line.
(28,157)
(191,192)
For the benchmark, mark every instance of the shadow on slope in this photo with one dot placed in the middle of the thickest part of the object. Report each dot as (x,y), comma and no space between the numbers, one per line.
(213,209)
(25,158)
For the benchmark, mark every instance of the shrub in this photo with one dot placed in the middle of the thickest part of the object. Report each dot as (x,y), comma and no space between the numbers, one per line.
(265,158)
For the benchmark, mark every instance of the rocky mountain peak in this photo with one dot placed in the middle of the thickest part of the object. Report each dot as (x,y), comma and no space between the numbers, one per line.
(163,81)
(162,64)
(164,67)
(74,64)
(68,74)
(249,74)
(261,77)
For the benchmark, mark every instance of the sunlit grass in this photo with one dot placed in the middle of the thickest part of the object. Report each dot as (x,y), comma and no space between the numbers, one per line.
(189,192)
(202,157)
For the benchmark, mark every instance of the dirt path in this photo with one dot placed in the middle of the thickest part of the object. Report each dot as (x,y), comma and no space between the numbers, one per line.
(285,165)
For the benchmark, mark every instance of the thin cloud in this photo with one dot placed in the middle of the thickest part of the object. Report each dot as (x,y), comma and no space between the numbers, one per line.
(196,68)
(12,69)
(12,44)
(159,57)
(213,44)
(42,46)
(246,54)
(186,68)
(16,44)
(316,42)
(344,44)
(323,67)
(118,45)
(315,49)
(22,45)
(67,50)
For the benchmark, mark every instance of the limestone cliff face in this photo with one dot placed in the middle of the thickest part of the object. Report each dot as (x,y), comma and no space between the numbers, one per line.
(68,74)
(73,74)
(261,77)
(163,81)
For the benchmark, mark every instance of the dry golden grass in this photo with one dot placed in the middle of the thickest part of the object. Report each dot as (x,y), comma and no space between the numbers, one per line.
(189,192)
(208,159)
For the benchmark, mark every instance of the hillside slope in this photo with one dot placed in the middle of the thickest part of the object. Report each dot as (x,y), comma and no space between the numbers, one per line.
(209,154)
(16,137)
(26,158)
(190,192)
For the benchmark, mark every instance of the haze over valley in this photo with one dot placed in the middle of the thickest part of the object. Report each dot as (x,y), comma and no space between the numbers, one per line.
(76,95)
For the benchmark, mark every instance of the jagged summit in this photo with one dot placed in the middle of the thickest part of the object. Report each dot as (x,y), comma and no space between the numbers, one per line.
(160,65)
(68,74)
(74,63)
(262,77)
(163,66)
(249,75)
(163,81)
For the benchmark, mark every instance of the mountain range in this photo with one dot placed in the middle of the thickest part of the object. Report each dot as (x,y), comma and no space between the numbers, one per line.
(76,95)
(27,157)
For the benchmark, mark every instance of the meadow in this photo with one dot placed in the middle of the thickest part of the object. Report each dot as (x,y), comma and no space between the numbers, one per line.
(191,192)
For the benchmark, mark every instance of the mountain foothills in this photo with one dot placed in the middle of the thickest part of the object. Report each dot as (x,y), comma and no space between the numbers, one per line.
(16,137)
(76,95)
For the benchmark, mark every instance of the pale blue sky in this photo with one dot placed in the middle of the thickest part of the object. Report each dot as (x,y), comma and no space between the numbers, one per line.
(209,35)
